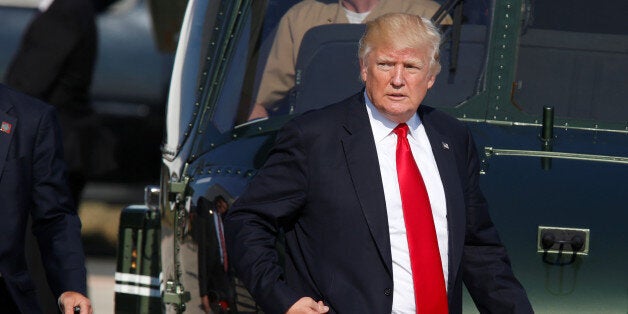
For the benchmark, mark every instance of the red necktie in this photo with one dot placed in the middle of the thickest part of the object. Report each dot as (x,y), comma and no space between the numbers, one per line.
(427,271)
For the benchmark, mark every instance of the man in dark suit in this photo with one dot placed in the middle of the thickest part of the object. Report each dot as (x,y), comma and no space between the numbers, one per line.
(216,284)
(33,181)
(55,63)
(378,198)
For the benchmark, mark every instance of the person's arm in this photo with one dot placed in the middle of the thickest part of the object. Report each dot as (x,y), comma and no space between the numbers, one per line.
(273,200)
(42,54)
(486,268)
(55,221)
(279,71)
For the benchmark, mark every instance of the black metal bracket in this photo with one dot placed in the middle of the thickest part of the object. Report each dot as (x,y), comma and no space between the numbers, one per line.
(563,242)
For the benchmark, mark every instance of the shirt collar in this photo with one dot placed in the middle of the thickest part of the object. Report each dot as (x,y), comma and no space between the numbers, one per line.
(355,17)
(382,127)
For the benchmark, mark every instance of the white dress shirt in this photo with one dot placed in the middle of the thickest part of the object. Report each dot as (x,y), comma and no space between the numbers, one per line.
(355,17)
(386,145)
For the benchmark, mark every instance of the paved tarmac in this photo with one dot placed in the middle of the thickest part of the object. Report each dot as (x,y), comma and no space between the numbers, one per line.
(100,283)
(96,208)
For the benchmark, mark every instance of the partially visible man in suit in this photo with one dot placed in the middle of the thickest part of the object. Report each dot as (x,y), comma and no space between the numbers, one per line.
(378,197)
(55,63)
(33,181)
(216,284)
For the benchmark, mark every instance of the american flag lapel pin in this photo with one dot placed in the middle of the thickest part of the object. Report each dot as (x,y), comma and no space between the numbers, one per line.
(445,145)
(6,127)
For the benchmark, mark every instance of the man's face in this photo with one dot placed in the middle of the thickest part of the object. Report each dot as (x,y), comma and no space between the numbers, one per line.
(222,206)
(397,80)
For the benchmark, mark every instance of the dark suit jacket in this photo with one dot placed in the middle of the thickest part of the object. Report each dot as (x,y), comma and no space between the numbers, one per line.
(322,186)
(55,63)
(56,58)
(32,181)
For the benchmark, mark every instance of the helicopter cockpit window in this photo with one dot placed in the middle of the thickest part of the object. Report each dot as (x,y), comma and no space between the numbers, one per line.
(462,57)
(277,77)
(225,113)
(253,34)
(573,56)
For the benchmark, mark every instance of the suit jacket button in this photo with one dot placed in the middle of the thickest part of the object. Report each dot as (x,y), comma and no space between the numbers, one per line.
(388,291)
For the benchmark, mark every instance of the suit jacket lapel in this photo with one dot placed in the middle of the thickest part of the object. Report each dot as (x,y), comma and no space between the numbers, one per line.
(361,158)
(7,134)
(360,154)
(444,155)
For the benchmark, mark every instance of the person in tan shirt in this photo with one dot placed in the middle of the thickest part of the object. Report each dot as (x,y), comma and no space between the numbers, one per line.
(279,72)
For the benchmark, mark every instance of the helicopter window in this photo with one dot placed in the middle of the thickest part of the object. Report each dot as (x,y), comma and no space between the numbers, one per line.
(278,83)
(461,74)
(225,113)
(476,12)
(575,61)
(603,17)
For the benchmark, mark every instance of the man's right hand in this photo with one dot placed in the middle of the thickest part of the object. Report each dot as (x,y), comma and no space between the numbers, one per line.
(307,305)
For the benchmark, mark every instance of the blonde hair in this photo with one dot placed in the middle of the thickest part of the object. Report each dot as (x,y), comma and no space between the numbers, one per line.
(401,31)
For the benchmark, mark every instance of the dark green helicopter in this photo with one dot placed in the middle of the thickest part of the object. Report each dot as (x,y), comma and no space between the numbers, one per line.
(541,84)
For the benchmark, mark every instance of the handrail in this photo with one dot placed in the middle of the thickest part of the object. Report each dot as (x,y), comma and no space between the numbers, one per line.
(490,152)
